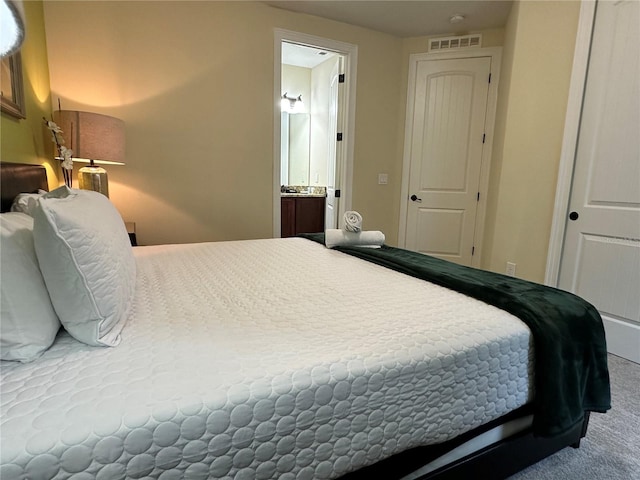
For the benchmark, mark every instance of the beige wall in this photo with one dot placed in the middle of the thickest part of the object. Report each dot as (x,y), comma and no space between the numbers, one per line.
(297,81)
(25,140)
(538,44)
(193,82)
(537,60)
(490,38)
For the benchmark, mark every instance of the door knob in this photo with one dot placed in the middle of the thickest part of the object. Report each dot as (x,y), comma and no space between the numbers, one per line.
(574,216)
(414,198)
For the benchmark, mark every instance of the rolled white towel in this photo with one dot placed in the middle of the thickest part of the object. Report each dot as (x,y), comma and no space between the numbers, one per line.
(352,221)
(339,238)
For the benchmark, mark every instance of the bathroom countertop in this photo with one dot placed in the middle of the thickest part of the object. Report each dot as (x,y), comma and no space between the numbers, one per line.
(317,195)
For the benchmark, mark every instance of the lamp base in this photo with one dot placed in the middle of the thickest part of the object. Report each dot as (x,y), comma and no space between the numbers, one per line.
(93,177)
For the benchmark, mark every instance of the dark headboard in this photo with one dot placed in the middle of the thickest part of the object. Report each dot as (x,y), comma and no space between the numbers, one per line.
(18,178)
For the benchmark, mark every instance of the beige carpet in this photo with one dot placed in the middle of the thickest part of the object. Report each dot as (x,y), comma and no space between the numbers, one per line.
(611,449)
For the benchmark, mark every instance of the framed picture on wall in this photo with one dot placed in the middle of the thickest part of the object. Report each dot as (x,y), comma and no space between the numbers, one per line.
(12,91)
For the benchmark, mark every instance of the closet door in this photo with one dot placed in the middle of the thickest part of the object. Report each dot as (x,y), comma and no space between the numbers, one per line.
(601,253)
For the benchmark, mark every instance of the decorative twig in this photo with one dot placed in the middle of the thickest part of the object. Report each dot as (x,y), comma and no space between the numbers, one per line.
(64,154)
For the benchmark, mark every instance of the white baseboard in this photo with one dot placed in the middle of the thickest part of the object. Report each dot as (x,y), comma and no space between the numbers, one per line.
(623,338)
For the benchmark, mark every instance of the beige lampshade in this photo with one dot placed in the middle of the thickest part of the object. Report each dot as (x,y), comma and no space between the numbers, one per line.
(94,139)
(92,136)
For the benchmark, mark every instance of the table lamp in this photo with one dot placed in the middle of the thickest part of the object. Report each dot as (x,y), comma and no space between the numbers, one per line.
(95,139)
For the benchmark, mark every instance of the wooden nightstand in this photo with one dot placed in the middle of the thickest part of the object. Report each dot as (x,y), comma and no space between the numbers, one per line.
(131,230)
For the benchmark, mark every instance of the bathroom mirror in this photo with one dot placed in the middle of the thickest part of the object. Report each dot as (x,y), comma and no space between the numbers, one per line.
(295,147)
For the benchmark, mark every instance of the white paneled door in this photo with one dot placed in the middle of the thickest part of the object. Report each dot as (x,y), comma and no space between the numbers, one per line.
(331,204)
(447,135)
(601,253)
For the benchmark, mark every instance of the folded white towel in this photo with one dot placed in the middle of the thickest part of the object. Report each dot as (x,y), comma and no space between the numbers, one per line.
(339,238)
(352,221)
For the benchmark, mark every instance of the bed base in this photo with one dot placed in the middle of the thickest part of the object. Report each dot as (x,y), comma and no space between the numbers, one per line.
(495,462)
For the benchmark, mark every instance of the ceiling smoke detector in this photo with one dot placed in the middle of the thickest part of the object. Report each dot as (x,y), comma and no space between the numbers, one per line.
(457,18)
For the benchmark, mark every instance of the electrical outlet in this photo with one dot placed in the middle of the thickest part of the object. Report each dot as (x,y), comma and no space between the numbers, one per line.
(383,178)
(511,269)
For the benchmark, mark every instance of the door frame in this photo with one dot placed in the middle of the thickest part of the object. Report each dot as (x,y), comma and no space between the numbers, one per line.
(346,147)
(570,141)
(495,53)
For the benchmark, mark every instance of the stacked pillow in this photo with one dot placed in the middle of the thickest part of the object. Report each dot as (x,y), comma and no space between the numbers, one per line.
(28,323)
(27,202)
(86,262)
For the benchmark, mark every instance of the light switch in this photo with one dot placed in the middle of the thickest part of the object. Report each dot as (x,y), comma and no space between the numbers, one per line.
(383,178)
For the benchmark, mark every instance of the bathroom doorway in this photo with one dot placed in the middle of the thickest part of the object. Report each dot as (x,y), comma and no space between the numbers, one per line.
(314,121)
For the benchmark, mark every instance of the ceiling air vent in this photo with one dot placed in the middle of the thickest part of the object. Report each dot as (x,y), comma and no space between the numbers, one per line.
(444,44)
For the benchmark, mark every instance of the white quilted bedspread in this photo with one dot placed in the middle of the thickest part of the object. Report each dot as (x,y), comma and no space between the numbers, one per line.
(263,359)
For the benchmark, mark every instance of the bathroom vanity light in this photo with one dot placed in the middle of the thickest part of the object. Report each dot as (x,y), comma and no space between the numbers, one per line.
(291,104)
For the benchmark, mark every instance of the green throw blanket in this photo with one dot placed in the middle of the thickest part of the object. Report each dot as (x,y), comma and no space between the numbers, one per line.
(571,374)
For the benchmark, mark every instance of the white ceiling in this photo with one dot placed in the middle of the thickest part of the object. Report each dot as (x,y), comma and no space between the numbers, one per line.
(303,56)
(407,18)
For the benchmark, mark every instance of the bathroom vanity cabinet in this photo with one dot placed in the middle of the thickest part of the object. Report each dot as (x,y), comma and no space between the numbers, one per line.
(301,214)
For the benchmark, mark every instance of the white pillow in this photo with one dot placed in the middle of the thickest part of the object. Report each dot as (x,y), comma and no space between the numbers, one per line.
(28,323)
(26,202)
(87,263)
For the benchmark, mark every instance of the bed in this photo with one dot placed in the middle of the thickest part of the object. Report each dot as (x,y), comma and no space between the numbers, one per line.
(280,358)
